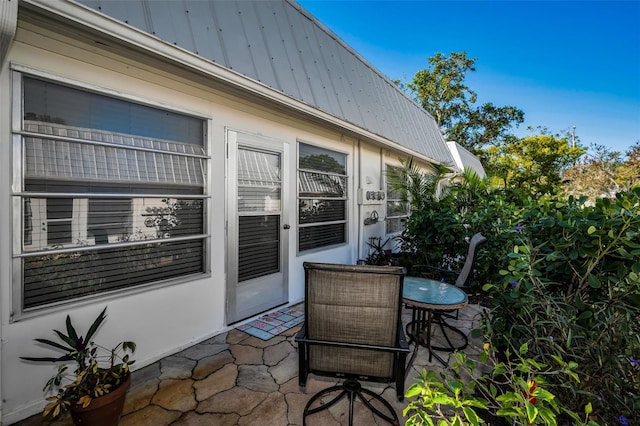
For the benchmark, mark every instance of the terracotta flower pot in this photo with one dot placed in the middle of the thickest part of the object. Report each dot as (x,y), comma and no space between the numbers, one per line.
(103,411)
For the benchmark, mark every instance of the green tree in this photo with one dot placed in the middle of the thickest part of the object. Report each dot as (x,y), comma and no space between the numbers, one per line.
(628,174)
(485,126)
(441,90)
(533,163)
(594,175)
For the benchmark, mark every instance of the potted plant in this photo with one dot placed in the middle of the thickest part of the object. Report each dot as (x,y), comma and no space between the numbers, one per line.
(94,394)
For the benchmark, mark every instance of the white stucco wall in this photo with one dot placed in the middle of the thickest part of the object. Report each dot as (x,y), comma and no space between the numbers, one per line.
(162,320)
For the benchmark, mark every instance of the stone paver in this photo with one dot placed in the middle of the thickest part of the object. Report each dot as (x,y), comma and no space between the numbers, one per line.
(234,379)
(211,364)
(222,380)
(176,395)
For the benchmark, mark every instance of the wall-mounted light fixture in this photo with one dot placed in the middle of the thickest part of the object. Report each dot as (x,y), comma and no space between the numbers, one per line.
(373,218)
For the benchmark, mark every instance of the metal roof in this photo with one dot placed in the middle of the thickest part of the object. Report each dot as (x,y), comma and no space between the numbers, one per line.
(464,159)
(280,45)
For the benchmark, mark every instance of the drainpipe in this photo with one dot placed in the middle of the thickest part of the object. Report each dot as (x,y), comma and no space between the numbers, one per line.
(8,24)
(360,230)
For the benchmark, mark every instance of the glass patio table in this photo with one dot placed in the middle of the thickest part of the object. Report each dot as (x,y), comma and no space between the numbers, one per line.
(427,298)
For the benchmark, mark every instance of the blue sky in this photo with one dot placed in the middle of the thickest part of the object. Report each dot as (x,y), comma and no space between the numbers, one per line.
(564,63)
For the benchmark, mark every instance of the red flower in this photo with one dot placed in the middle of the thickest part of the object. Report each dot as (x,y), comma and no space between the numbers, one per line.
(532,388)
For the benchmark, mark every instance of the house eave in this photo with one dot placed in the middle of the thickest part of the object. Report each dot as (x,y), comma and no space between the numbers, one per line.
(77,16)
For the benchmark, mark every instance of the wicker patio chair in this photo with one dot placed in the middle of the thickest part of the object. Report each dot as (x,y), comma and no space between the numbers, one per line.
(353,329)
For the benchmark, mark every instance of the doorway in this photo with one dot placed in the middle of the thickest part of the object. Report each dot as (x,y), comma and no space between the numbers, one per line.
(257,225)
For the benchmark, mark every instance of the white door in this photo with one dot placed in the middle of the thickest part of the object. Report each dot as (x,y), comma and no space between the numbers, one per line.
(257,227)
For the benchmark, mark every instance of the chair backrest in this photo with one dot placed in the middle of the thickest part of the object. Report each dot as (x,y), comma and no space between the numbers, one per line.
(464,278)
(358,304)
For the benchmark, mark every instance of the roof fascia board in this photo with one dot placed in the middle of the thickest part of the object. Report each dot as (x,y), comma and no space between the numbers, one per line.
(8,23)
(87,18)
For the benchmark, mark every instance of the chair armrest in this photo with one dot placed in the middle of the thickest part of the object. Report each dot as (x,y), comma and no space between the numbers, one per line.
(301,334)
(308,341)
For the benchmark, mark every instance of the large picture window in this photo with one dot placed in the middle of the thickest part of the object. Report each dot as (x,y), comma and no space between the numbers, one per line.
(397,210)
(322,197)
(111,194)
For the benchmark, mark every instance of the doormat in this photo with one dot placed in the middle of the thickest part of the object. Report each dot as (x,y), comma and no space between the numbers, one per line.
(273,323)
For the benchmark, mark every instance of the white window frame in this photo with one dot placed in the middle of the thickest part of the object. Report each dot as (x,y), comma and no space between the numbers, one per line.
(390,199)
(79,220)
(345,198)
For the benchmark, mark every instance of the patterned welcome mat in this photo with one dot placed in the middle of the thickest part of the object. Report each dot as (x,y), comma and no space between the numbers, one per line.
(274,323)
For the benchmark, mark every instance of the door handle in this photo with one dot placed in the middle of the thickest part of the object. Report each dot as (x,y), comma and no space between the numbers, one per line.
(286,226)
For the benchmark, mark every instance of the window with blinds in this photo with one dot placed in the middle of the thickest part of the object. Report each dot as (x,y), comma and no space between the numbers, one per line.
(322,197)
(397,210)
(259,209)
(112,193)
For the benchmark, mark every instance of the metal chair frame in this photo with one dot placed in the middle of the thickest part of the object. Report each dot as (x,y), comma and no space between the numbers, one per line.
(351,387)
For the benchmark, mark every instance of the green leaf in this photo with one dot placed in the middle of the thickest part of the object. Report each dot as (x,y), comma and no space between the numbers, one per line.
(548,416)
(594,281)
(509,397)
(532,411)
(524,349)
(414,390)
(54,344)
(96,324)
(70,330)
(591,230)
(543,394)
(509,412)
(585,315)
(473,402)
(443,400)
(471,415)
(66,339)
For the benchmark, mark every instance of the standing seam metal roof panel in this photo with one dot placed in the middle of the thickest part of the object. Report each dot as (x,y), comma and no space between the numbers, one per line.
(284,47)
(257,46)
(293,65)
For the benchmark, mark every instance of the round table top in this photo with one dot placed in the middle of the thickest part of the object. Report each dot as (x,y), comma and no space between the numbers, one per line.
(432,294)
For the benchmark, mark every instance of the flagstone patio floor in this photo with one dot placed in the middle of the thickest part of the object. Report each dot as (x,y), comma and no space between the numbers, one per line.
(237,379)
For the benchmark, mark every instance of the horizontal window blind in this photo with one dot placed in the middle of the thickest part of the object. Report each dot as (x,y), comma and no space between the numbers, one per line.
(113,193)
(258,246)
(66,276)
(397,209)
(318,210)
(320,236)
(322,195)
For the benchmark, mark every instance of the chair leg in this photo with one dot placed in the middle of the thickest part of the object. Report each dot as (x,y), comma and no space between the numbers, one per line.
(353,390)
(401,372)
(302,364)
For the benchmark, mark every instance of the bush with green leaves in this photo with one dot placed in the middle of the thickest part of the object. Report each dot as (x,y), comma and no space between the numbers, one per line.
(564,279)
(513,392)
(571,288)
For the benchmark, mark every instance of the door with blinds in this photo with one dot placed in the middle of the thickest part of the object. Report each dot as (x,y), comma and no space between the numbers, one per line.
(257,224)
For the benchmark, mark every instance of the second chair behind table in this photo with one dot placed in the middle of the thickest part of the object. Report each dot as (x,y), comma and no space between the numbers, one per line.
(461,278)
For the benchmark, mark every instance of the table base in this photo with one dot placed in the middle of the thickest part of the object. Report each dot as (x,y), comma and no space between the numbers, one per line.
(419,331)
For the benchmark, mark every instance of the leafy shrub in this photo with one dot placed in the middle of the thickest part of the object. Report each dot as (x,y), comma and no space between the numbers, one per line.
(572,289)
(564,280)
(512,393)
